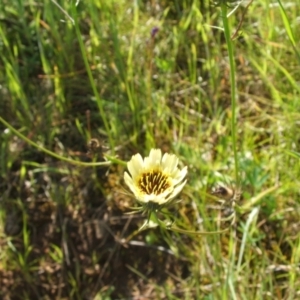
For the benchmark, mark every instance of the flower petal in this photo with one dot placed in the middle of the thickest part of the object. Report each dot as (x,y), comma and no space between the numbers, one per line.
(154,159)
(179,175)
(135,165)
(176,190)
(169,162)
(128,180)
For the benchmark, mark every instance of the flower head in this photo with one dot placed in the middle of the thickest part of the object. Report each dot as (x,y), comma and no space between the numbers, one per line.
(156,179)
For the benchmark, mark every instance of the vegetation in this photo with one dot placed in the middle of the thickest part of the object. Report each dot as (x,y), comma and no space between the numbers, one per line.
(84,85)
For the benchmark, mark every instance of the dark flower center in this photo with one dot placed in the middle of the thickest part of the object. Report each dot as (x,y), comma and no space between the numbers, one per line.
(153,182)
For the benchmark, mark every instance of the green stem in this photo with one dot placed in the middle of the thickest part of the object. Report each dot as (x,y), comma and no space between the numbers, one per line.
(233,89)
(69,160)
(230,280)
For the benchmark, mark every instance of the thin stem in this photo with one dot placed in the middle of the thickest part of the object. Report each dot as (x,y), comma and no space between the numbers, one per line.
(69,160)
(230,280)
(233,89)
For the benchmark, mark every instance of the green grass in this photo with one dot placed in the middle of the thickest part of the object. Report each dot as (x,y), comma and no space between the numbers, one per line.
(227,107)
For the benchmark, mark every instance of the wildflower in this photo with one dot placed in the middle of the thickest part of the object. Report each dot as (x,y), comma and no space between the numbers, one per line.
(155,180)
(154,31)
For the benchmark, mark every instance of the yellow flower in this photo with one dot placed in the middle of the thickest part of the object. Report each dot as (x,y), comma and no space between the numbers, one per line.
(155,180)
